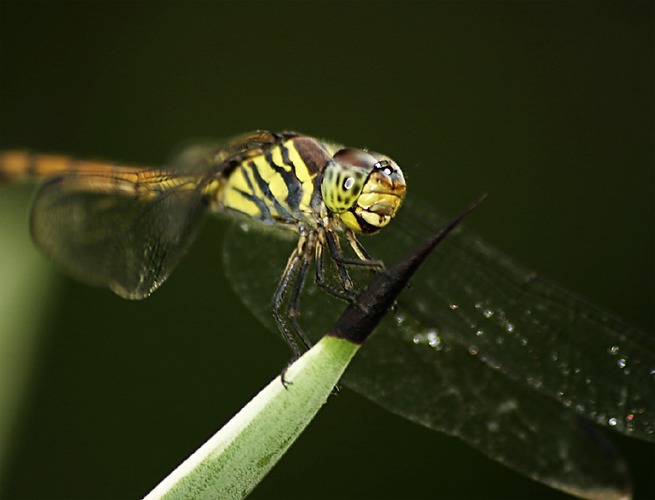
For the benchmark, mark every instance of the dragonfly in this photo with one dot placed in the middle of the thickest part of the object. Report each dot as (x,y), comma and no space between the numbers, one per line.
(478,347)
(126,228)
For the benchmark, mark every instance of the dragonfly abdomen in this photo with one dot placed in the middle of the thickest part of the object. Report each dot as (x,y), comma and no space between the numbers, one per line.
(16,165)
(23,165)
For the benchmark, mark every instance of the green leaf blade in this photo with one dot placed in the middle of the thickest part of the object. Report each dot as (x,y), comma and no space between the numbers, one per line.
(233,461)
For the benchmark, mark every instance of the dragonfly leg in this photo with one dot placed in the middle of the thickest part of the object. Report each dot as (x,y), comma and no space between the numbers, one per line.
(296,290)
(322,282)
(365,257)
(342,262)
(278,300)
(292,280)
(303,260)
(337,256)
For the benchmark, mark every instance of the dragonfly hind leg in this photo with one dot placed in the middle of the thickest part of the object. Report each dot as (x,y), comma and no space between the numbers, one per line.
(292,282)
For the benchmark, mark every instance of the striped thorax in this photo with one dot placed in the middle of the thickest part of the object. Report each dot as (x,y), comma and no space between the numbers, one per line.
(299,181)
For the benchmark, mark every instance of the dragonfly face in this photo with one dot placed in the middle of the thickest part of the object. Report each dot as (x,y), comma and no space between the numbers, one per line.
(365,189)
(479,347)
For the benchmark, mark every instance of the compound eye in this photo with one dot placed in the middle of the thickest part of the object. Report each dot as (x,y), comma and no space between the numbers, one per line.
(355,157)
(341,185)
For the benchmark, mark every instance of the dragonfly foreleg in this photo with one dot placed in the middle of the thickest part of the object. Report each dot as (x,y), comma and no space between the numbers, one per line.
(322,282)
(364,256)
(337,256)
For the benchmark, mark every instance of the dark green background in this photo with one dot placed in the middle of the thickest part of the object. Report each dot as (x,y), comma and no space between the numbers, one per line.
(548,107)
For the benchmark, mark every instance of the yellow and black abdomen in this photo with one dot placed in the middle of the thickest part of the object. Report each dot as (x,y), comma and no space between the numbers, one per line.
(277,186)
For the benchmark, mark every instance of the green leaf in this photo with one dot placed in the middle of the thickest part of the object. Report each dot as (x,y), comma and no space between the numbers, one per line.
(233,461)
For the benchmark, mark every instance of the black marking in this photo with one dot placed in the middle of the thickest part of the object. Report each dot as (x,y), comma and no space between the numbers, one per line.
(364,226)
(284,136)
(265,214)
(226,160)
(317,200)
(263,208)
(290,178)
(268,195)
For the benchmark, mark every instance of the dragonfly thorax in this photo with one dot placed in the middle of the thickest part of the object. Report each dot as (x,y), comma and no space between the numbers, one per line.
(364,189)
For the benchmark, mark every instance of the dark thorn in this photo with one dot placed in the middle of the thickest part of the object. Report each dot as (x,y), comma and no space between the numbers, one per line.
(360,318)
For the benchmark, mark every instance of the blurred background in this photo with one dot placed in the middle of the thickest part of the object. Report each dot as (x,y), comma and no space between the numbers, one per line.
(547,107)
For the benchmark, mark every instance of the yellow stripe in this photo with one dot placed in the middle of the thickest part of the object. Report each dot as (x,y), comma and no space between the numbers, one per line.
(233,198)
(301,169)
(302,172)
(279,189)
(272,177)
(276,154)
(266,172)
(239,182)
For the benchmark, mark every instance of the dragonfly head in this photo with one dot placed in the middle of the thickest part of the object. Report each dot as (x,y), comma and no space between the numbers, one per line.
(364,189)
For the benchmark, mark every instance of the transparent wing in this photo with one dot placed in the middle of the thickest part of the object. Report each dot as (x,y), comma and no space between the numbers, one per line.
(100,231)
(483,349)
(517,323)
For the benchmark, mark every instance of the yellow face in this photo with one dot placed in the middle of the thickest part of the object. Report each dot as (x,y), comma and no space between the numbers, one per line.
(364,188)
